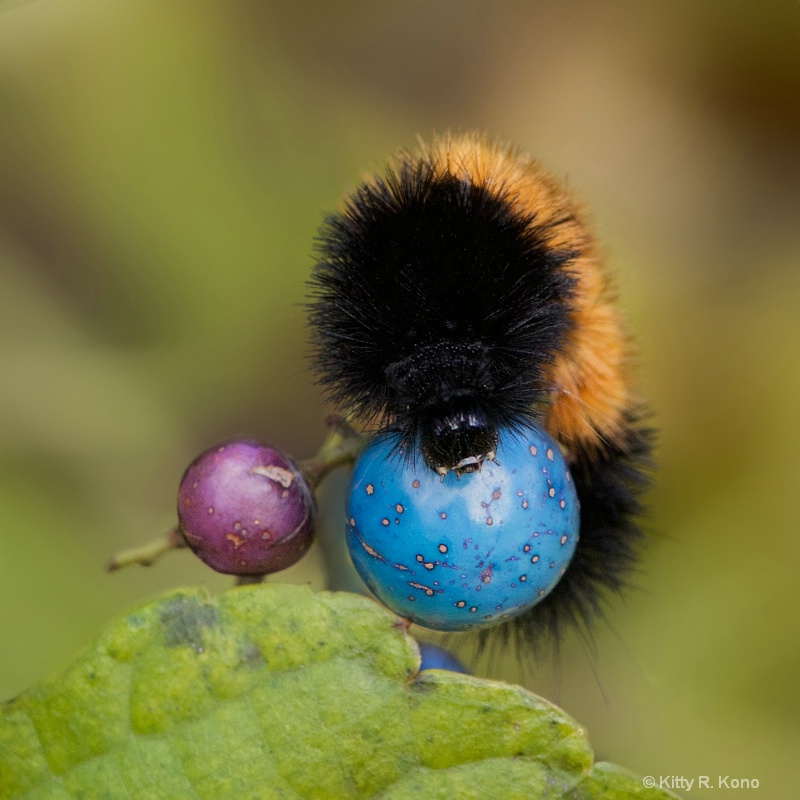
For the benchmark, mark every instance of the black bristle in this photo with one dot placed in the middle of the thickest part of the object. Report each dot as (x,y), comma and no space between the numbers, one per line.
(431,267)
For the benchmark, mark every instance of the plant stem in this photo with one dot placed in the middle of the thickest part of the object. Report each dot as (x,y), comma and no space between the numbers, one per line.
(248,580)
(342,446)
(146,554)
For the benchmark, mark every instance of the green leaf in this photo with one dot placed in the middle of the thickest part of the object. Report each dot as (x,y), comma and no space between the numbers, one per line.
(272,691)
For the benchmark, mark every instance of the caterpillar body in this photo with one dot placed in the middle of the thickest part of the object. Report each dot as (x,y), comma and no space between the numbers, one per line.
(460,296)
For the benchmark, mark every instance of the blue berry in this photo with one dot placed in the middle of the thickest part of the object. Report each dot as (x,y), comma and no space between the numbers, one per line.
(434,657)
(466,550)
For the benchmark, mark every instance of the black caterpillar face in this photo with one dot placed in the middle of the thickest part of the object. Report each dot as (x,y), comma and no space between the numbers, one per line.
(438,388)
(457,440)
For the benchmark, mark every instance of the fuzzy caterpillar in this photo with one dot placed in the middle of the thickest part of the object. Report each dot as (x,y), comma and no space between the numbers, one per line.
(460,295)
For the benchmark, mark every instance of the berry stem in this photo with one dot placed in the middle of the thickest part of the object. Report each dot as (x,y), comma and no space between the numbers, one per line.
(249,580)
(342,446)
(146,554)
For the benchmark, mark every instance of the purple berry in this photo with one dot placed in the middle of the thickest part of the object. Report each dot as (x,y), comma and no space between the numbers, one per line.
(244,508)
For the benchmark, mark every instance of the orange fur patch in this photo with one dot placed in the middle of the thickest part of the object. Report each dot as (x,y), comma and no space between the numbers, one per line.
(589,376)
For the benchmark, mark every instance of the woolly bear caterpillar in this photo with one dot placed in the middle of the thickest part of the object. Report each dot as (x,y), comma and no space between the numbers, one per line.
(460,296)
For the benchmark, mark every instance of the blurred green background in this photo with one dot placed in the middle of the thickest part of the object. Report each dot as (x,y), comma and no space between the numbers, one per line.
(163,169)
